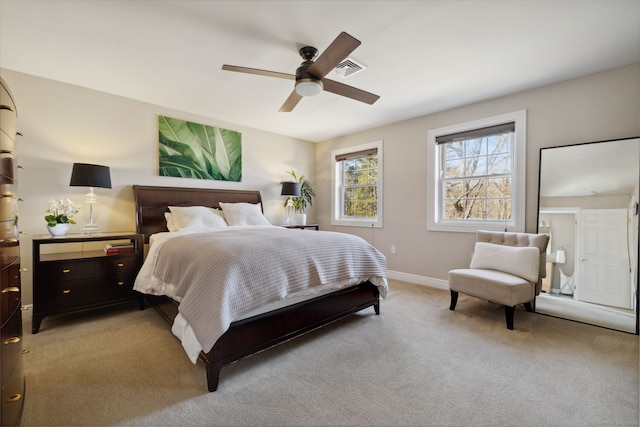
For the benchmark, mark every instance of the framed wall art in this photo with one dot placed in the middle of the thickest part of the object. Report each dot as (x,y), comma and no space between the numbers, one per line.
(193,150)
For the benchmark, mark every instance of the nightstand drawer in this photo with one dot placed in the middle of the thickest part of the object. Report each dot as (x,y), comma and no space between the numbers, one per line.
(78,293)
(59,271)
(122,267)
(108,267)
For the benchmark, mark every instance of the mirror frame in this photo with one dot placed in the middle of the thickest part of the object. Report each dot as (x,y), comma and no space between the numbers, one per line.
(637,309)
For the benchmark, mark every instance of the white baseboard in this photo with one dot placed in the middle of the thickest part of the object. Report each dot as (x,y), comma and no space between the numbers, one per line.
(419,280)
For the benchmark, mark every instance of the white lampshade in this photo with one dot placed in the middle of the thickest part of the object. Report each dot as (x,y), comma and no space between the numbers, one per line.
(561,256)
(309,87)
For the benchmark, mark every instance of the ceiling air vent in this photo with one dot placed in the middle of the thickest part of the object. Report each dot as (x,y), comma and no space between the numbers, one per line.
(349,67)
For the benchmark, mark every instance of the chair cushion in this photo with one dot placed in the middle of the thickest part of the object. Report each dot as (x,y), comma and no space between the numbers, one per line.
(540,241)
(491,285)
(517,260)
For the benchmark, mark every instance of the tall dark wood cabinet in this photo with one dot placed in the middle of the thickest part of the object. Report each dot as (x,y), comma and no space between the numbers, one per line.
(11,368)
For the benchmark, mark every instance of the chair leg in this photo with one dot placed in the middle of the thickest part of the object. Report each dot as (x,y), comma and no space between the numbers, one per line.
(529,307)
(454,300)
(508,313)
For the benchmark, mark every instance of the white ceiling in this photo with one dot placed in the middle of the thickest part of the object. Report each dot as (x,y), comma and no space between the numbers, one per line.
(422,56)
(610,168)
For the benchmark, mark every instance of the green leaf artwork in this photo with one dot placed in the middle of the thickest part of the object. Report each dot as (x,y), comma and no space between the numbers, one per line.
(192,150)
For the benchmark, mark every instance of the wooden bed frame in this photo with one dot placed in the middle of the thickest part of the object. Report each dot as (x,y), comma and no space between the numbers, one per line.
(248,336)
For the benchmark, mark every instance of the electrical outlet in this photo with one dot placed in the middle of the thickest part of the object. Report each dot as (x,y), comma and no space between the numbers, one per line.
(393,249)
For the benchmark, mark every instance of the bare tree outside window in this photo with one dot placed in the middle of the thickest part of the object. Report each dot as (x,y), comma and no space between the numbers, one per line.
(477,174)
(476,181)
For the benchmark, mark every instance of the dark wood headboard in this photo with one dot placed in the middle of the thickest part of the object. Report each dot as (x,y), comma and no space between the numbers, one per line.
(152,202)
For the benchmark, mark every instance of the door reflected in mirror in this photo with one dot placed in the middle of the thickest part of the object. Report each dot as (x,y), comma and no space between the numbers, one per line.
(588,205)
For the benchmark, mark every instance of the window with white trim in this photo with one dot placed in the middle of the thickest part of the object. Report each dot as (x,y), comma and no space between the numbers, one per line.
(478,175)
(356,198)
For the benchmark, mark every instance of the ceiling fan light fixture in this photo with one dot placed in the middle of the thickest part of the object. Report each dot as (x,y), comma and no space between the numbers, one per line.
(309,87)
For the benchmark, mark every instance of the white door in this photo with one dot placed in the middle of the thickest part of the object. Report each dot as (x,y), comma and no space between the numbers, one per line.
(603,258)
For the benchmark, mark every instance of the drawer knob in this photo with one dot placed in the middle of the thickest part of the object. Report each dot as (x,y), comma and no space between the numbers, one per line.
(66,270)
(13,340)
(10,289)
(66,291)
(16,397)
(120,264)
(120,283)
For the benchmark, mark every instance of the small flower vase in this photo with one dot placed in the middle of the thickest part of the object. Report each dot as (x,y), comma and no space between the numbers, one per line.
(59,229)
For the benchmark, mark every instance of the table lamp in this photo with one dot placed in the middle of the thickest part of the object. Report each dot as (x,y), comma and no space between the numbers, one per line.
(88,175)
(290,189)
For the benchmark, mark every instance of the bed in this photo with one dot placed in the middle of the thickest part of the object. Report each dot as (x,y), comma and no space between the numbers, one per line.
(248,331)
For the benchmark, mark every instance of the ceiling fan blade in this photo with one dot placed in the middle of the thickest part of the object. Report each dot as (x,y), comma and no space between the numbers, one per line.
(349,91)
(338,50)
(291,102)
(258,72)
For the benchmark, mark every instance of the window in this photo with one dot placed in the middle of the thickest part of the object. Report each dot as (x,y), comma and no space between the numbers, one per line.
(357,186)
(478,175)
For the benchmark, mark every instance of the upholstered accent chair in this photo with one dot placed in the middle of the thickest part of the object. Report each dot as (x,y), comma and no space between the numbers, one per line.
(506,268)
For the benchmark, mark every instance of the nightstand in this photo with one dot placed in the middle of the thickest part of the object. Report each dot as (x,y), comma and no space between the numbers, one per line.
(303,227)
(75,273)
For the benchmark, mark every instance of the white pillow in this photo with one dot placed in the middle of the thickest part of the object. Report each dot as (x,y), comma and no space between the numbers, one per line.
(170,224)
(521,261)
(196,217)
(244,214)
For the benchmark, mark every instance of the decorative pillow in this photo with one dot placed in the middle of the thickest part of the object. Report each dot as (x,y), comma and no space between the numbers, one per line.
(170,224)
(244,214)
(521,261)
(196,217)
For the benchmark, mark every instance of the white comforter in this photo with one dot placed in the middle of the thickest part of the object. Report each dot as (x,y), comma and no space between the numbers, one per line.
(225,275)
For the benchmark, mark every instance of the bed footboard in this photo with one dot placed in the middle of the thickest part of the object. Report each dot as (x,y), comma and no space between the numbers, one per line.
(249,336)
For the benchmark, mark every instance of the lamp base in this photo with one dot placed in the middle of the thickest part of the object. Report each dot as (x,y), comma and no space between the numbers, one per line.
(90,229)
(91,211)
(291,211)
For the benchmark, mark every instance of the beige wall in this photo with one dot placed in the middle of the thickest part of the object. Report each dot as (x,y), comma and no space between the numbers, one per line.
(63,124)
(597,107)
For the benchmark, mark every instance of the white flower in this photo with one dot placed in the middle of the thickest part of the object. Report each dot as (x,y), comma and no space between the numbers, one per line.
(60,212)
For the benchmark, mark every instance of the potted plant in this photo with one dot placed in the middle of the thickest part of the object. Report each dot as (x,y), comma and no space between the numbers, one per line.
(59,216)
(305,199)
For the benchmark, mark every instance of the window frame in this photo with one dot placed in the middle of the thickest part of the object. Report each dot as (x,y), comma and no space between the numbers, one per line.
(518,176)
(336,187)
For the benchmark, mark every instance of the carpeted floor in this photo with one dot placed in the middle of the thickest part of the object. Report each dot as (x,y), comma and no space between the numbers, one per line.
(416,364)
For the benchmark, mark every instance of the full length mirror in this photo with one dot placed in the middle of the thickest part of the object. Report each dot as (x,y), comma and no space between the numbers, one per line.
(588,204)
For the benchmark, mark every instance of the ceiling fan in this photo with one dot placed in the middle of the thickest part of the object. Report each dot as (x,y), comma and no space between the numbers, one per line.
(309,76)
